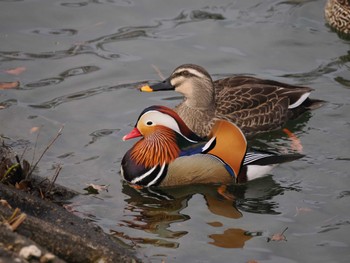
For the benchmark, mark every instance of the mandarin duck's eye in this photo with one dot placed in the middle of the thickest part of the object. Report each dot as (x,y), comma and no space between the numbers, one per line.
(149,123)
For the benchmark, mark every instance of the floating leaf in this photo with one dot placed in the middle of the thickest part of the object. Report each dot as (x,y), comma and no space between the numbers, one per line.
(95,189)
(16,71)
(34,129)
(9,85)
(278,236)
(302,210)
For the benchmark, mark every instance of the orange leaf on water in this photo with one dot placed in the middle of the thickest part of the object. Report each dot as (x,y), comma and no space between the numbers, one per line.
(34,129)
(9,85)
(278,236)
(16,71)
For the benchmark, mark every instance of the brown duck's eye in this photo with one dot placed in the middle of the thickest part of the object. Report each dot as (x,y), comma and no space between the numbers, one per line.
(185,73)
(149,123)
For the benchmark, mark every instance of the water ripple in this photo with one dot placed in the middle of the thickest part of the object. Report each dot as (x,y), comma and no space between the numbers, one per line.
(62,76)
(324,69)
(98,46)
(79,71)
(75,50)
(125,3)
(99,134)
(54,31)
(7,103)
(81,95)
(44,82)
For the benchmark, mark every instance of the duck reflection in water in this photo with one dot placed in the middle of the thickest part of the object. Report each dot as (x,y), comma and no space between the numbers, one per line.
(155,210)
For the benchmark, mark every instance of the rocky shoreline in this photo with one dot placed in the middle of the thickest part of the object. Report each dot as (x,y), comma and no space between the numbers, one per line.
(35,228)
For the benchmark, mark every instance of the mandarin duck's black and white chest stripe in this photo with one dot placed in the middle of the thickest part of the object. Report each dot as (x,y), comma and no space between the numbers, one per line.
(170,154)
(254,105)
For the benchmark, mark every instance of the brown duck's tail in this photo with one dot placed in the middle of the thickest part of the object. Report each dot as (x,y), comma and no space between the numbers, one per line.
(313,104)
(307,105)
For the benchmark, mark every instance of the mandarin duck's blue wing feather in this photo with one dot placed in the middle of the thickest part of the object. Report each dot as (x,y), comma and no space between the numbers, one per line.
(197,148)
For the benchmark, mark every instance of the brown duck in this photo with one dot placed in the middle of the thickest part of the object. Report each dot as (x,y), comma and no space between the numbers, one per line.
(254,105)
(337,14)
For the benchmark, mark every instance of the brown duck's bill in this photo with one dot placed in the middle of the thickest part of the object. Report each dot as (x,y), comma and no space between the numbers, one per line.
(164,85)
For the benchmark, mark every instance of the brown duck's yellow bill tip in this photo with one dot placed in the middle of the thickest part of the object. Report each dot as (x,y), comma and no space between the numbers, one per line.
(146,88)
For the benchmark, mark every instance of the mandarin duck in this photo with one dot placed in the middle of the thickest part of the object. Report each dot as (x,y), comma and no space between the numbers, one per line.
(254,105)
(337,14)
(170,154)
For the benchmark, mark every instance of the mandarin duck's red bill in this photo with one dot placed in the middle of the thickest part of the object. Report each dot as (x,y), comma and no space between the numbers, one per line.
(254,105)
(170,154)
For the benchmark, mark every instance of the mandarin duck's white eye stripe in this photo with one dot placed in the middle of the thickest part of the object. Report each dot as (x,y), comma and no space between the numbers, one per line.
(159,118)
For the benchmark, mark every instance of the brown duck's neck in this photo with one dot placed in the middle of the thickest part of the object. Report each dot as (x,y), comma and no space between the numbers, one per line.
(199,120)
(201,96)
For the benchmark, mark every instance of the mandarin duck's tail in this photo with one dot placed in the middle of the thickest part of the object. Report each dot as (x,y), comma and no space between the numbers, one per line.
(257,164)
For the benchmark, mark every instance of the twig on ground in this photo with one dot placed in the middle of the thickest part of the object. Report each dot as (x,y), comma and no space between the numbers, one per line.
(54,178)
(59,133)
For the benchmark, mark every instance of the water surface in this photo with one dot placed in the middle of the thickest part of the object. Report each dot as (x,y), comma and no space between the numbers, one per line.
(83,62)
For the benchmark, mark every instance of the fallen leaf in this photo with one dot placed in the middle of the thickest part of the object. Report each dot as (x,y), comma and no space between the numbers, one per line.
(302,210)
(278,236)
(9,85)
(34,129)
(16,71)
(4,203)
(22,185)
(95,189)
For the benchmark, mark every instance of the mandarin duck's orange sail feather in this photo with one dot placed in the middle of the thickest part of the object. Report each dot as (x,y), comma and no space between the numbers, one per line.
(231,144)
